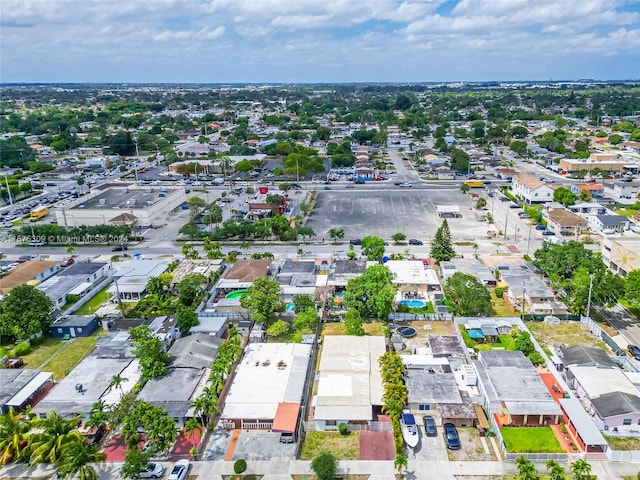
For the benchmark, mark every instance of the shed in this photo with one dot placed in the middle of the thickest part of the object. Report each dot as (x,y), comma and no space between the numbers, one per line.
(71,326)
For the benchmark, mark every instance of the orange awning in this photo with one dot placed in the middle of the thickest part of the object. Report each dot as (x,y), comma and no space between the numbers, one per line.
(286,417)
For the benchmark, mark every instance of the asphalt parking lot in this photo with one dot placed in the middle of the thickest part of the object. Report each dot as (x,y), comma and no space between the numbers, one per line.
(383,212)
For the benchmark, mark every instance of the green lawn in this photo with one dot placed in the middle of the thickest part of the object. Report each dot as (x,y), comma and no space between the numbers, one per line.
(41,352)
(344,447)
(92,305)
(71,355)
(530,440)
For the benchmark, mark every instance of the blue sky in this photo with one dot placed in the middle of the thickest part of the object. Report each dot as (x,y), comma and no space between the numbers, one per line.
(220,41)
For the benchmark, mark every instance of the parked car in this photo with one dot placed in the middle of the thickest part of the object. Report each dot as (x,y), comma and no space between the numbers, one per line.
(406,184)
(153,470)
(14,363)
(540,227)
(350,185)
(37,243)
(122,247)
(26,257)
(415,241)
(548,233)
(429,426)
(180,470)
(635,351)
(355,241)
(66,262)
(451,435)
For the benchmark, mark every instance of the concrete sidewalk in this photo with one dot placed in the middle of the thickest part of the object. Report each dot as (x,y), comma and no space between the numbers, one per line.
(282,468)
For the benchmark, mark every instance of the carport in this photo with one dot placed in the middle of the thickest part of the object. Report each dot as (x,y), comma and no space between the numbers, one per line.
(448,211)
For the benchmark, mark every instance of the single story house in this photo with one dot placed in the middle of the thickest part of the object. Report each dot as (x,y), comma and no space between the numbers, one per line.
(190,359)
(130,280)
(513,391)
(268,388)
(618,411)
(20,386)
(620,253)
(609,223)
(78,279)
(595,189)
(72,326)
(349,381)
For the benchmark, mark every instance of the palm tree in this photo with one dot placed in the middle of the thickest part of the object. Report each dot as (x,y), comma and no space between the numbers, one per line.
(200,406)
(14,434)
(116,382)
(192,426)
(98,416)
(581,469)
(401,462)
(336,234)
(75,460)
(526,469)
(56,432)
(70,250)
(556,471)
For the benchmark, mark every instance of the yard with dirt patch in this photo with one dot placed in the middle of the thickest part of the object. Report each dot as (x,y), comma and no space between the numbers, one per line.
(472,447)
(569,333)
(623,443)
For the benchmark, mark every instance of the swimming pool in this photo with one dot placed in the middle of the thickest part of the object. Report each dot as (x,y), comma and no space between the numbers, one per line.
(412,303)
(406,332)
(236,294)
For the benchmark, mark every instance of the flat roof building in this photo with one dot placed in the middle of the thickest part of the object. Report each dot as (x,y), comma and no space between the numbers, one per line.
(349,380)
(268,387)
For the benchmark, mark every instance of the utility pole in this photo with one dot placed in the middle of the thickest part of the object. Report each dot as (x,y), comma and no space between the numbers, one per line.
(589,299)
(529,240)
(506,223)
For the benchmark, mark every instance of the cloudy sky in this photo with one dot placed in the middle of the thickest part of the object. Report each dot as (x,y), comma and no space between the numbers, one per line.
(317,40)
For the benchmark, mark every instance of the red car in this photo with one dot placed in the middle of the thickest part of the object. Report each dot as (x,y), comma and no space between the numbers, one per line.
(67,262)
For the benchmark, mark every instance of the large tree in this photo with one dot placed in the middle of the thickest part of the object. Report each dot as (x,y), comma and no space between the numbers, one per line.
(373,248)
(468,296)
(187,319)
(371,293)
(632,287)
(25,312)
(564,196)
(263,299)
(576,270)
(442,246)
(150,351)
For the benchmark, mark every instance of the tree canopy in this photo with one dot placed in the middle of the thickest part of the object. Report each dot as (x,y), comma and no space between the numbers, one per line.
(371,293)
(373,248)
(468,296)
(25,312)
(263,299)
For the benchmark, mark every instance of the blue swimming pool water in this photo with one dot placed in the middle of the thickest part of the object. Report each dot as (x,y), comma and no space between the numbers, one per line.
(290,306)
(412,303)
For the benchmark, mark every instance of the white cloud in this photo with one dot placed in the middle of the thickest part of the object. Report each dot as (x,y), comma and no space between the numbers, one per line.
(351,40)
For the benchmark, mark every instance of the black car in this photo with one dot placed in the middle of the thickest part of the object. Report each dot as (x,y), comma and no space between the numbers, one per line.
(120,248)
(451,435)
(429,426)
(414,241)
(355,241)
(635,351)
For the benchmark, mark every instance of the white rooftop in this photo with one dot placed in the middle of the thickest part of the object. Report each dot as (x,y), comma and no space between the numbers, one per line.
(598,381)
(407,272)
(269,373)
(349,377)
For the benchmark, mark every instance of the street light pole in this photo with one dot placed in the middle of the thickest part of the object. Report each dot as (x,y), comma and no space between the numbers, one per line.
(6,179)
(135,167)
